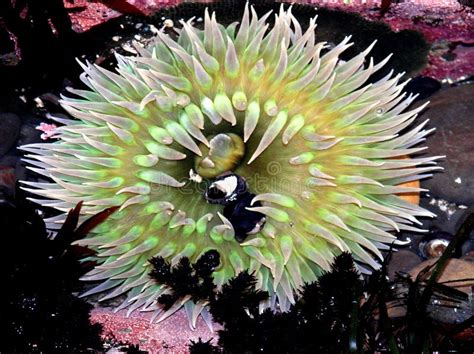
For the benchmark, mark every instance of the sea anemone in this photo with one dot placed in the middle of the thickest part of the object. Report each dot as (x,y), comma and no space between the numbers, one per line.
(319,153)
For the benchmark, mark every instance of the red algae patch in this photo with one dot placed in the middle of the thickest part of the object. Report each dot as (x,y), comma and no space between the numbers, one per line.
(446,24)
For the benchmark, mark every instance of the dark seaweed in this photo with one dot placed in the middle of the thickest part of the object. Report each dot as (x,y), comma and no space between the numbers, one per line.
(185,278)
(38,311)
(342,313)
(201,347)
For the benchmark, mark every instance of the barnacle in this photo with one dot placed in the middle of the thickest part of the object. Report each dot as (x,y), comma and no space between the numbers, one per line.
(324,153)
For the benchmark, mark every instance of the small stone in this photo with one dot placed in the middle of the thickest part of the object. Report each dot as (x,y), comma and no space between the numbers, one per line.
(9,130)
(434,244)
(39,102)
(168,23)
(447,312)
(455,269)
(401,262)
(469,256)
(447,221)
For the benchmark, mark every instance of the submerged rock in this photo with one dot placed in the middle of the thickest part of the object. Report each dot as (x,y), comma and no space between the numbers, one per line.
(456,269)
(469,3)
(451,111)
(9,129)
(423,86)
(402,262)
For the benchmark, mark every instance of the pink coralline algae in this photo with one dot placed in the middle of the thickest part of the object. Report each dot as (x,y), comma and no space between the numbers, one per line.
(86,14)
(49,130)
(167,337)
(446,24)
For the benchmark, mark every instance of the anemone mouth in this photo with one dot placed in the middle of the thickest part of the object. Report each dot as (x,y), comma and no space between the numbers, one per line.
(222,154)
(319,149)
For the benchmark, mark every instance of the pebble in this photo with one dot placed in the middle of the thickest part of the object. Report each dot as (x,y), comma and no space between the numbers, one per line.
(449,218)
(168,23)
(455,269)
(402,262)
(469,256)
(434,244)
